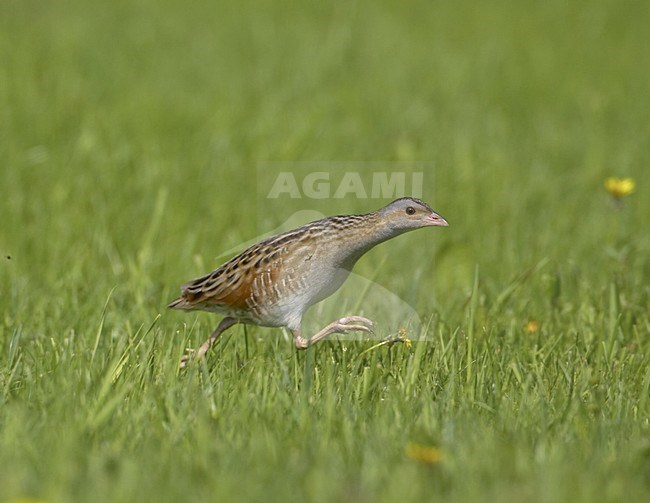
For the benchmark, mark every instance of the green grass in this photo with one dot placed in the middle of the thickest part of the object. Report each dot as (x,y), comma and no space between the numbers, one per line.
(135,139)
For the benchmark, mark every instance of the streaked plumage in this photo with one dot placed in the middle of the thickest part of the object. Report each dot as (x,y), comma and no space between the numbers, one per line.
(274,282)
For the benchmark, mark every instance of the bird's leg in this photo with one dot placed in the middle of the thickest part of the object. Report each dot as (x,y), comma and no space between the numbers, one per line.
(338,327)
(225,324)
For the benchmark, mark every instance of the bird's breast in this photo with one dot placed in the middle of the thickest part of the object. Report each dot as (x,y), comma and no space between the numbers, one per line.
(284,291)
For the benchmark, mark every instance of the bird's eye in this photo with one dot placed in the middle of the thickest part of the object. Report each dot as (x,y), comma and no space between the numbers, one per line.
(410,210)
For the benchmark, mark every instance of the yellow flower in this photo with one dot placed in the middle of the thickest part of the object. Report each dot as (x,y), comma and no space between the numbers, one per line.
(532,326)
(424,453)
(619,187)
(402,336)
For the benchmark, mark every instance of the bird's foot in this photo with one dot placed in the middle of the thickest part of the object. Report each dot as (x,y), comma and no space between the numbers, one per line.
(349,323)
(187,357)
(341,326)
(192,354)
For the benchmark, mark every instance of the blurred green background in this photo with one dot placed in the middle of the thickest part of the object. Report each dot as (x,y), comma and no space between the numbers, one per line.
(132,135)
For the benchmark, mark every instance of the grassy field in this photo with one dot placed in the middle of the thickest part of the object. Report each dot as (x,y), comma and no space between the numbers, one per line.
(137,141)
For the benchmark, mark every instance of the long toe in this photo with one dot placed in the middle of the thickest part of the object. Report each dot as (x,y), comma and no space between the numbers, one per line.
(356,319)
(356,323)
(350,328)
(186,358)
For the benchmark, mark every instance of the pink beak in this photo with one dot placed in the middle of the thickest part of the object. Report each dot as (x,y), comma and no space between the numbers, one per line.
(435,219)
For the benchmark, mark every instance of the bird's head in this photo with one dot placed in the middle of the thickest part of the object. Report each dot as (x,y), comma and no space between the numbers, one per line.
(408,213)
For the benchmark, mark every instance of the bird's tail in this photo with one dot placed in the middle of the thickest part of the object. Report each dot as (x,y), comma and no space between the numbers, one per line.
(180,303)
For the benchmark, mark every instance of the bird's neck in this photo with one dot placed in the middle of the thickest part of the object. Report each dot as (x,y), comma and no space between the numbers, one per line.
(358,239)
